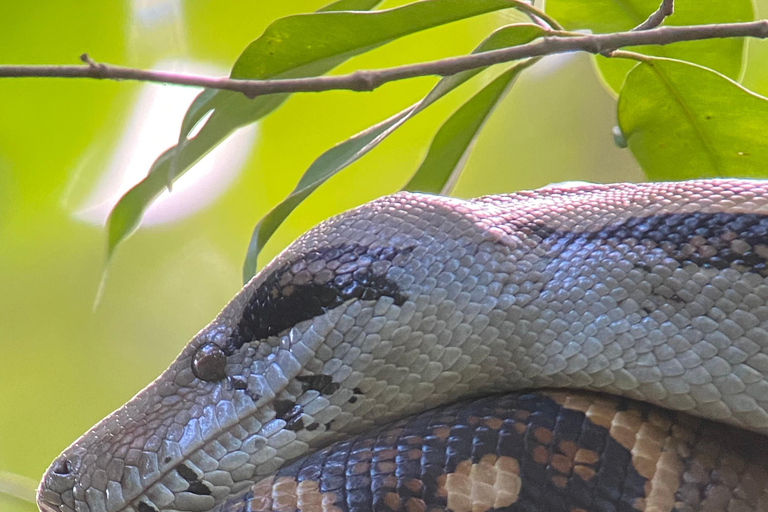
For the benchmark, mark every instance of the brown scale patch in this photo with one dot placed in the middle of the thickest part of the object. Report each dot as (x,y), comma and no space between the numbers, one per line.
(413,485)
(601,413)
(493,482)
(598,409)
(584,456)
(414,440)
(521,415)
(239,506)
(262,495)
(646,452)
(442,432)
(392,500)
(540,454)
(661,489)
(442,490)
(415,505)
(586,473)
(285,494)
(362,467)
(673,468)
(753,488)
(663,421)
(561,463)
(656,455)
(718,497)
(494,423)
(735,484)
(386,466)
(697,474)
(576,402)
(414,454)
(568,448)
(560,481)
(656,445)
(542,435)
(388,453)
(392,435)
(489,458)
(310,499)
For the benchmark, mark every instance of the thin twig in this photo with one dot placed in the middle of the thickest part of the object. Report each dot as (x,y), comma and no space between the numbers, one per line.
(368,80)
(667,8)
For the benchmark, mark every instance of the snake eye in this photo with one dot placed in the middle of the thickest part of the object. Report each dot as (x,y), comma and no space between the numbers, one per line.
(209,363)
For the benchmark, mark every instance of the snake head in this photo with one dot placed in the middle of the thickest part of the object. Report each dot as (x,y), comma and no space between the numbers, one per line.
(320,342)
(144,443)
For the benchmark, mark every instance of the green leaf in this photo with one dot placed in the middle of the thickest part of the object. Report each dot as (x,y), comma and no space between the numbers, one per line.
(602,16)
(305,39)
(294,46)
(684,121)
(211,99)
(125,217)
(350,5)
(344,153)
(450,147)
(312,44)
(18,486)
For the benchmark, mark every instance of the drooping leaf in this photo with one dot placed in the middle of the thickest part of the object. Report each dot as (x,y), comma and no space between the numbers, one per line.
(344,153)
(684,121)
(602,16)
(211,99)
(450,147)
(294,46)
(350,5)
(18,486)
(363,142)
(305,39)
(125,217)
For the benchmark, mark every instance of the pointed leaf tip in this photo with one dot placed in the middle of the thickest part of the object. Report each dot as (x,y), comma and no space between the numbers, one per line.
(684,121)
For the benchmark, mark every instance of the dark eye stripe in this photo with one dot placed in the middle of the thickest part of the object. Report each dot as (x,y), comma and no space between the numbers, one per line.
(312,284)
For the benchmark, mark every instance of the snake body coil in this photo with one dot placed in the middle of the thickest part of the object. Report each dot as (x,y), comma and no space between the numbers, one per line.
(654,292)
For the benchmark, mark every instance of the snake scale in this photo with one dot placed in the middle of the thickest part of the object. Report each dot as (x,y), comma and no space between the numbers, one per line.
(586,348)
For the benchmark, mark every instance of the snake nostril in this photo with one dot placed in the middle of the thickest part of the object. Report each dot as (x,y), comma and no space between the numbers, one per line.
(62,467)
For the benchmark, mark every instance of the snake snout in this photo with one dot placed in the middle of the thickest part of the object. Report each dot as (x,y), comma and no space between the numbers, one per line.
(55,493)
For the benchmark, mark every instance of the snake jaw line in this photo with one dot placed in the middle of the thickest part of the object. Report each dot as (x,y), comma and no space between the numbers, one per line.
(653,291)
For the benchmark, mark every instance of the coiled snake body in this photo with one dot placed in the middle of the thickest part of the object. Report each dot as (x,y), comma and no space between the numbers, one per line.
(652,292)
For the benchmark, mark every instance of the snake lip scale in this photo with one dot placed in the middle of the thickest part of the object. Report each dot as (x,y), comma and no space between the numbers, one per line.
(652,292)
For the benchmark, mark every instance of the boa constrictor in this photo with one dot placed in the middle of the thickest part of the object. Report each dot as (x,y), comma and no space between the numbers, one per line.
(652,292)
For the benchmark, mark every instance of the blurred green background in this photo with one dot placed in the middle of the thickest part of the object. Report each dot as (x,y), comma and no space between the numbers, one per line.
(63,364)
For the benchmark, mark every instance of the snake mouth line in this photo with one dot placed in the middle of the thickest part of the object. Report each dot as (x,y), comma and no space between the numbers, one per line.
(45,506)
(284,407)
(138,501)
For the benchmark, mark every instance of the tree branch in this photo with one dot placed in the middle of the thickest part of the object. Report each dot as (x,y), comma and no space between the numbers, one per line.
(667,8)
(368,80)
